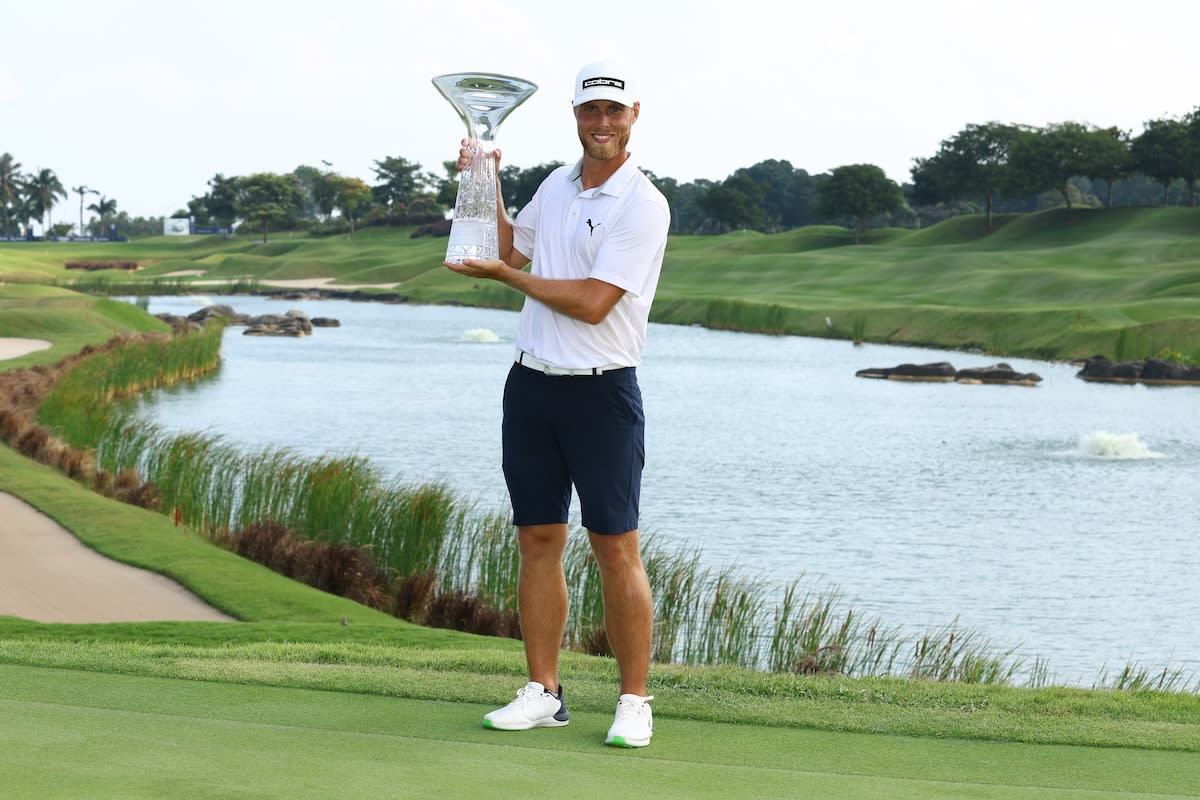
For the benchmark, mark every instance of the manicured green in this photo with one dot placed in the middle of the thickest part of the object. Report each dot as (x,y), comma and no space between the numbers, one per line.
(67,734)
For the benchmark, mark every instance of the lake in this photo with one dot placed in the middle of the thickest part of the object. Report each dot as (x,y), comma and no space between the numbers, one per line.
(1058,520)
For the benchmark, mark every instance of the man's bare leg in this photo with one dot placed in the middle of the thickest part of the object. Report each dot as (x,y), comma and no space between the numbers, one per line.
(542,598)
(628,608)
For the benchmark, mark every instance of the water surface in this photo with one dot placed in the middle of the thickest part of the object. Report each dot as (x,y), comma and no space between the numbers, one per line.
(1058,520)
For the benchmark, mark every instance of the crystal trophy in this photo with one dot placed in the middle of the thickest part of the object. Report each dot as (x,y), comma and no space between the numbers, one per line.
(483,100)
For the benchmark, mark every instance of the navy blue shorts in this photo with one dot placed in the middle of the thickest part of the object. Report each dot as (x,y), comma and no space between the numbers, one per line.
(581,430)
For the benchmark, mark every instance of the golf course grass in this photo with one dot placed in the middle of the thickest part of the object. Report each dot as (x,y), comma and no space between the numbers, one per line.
(102,735)
(1056,285)
(311,695)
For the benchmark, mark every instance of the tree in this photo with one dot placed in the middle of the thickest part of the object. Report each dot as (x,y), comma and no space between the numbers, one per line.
(139,226)
(1111,158)
(222,200)
(788,194)
(23,211)
(972,164)
(1191,160)
(687,214)
(399,180)
(45,188)
(447,187)
(82,191)
(266,199)
(859,191)
(352,197)
(105,207)
(219,205)
(11,186)
(1160,151)
(736,203)
(316,189)
(1049,158)
(520,184)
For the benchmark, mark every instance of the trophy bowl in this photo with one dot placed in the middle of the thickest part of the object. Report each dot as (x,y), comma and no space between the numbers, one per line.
(483,100)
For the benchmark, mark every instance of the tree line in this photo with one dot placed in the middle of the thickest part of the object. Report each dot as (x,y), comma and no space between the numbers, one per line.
(984,168)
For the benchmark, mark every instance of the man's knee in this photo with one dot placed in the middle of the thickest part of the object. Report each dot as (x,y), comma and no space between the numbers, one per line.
(540,541)
(619,551)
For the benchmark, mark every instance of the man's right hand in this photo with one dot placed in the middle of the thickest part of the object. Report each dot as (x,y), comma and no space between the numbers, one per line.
(468,149)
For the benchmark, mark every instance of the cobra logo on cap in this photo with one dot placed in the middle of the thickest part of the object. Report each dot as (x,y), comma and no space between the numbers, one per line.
(614,82)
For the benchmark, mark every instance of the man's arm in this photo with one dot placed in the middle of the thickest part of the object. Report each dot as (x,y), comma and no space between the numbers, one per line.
(585,299)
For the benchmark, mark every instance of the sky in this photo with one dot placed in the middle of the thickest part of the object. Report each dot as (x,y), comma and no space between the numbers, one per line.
(145,101)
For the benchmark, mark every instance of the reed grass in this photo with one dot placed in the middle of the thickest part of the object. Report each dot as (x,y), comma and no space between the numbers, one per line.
(858,329)
(452,553)
(81,401)
(1136,678)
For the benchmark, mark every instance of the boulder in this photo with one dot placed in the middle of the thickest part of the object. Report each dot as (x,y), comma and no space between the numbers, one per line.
(998,373)
(941,371)
(294,323)
(1156,369)
(1152,370)
(179,324)
(218,310)
(1096,368)
(937,371)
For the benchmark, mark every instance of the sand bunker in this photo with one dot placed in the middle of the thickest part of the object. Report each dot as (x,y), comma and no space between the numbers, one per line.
(48,575)
(15,348)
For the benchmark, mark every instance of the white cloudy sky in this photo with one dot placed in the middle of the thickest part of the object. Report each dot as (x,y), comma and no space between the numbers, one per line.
(145,101)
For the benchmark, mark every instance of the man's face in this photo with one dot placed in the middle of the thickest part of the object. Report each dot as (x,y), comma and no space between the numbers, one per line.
(604,127)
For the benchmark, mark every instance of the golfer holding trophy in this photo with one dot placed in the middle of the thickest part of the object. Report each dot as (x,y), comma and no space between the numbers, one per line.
(595,233)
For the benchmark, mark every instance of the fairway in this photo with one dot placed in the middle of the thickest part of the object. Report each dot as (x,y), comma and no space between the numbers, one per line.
(70,734)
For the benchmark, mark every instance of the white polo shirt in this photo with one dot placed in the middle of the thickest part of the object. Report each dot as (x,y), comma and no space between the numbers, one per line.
(616,233)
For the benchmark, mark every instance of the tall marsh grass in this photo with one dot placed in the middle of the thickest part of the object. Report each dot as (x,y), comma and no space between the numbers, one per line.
(444,546)
(81,401)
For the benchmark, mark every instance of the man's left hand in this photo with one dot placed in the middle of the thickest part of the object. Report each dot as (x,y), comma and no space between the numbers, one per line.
(490,269)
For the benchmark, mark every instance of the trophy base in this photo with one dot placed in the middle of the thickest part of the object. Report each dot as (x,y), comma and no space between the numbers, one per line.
(471,238)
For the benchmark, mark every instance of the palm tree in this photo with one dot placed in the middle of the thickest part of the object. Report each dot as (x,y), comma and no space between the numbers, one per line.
(45,188)
(10,187)
(82,190)
(103,207)
(24,210)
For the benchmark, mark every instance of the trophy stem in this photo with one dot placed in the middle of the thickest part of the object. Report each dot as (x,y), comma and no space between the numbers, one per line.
(473,231)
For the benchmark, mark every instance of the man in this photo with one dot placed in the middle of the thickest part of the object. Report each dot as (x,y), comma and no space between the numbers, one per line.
(596,233)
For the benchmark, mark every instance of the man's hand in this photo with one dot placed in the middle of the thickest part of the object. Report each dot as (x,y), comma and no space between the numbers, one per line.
(490,269)
(585,299)
(470,147)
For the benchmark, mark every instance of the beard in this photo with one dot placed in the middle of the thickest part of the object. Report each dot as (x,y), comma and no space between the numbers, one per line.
(605,151)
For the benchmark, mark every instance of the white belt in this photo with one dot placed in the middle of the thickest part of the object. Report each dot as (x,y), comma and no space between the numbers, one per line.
(526,360)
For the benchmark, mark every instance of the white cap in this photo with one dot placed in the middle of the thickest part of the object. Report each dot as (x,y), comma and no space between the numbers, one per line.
(605,80)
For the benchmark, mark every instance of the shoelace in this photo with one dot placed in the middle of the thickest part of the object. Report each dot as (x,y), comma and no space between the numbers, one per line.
(527,694)
(633,708)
